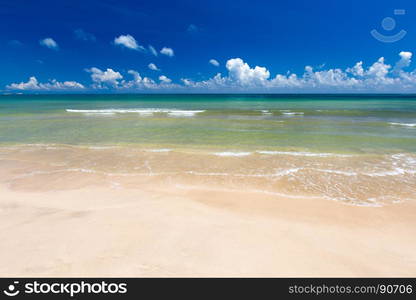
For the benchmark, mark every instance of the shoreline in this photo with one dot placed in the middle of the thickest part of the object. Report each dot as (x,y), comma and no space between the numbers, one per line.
(70,211)
(368,179)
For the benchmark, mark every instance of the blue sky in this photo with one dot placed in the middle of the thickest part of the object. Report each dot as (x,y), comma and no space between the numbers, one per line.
(104,46)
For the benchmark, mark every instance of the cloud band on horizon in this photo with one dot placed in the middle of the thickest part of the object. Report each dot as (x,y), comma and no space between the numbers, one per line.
(378,77)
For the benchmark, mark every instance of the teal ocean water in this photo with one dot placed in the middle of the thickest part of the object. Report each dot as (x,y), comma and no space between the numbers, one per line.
(355,149)
(316,123)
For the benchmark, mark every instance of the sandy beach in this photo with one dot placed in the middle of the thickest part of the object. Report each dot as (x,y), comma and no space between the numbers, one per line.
(80,224)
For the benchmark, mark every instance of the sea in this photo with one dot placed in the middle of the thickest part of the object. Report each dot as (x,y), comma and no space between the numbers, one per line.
(358,149)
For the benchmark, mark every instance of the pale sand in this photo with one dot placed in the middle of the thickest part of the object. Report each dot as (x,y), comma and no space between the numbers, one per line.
(171,231)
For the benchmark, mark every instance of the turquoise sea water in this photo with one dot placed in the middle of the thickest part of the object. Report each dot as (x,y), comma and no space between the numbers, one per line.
(317,123)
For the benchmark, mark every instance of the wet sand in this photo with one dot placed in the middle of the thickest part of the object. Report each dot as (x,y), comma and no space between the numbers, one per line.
(83,223)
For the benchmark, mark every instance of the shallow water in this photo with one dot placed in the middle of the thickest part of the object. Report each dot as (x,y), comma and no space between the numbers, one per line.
(370,180)
(317,123)
(356,149)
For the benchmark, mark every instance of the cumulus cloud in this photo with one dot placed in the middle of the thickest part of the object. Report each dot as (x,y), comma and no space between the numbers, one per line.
(377,77)
(145,83)
(241,73)
(379,69)
(357,69)
(49,43)
(82,35)
(101,78)
(164,79)
(214,62)
(152,50)
(167,51)
(127,41)
(153,67)
(405,60)
(139,82)
(33,84)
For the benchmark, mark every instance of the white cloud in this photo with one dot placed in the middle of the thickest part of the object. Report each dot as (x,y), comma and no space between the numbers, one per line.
(241,73)
(153,67)
(378,77)
(107,77)
(357,70)
(405,60)
(138,81)
(164,79)
(214,62)
(379,69)
(145,83)
(49,43)
(127,41)
(241,77)
(152,50)
(142,83)
(167,51)
(33,84)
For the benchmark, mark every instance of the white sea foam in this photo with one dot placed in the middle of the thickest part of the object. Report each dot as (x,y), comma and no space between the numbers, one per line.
(403,124)
(34,173)
(339,172)
(100,114)
(366,204)
(396,171)
(207,173)
(287,172)
(230,153)
(302,154)
(142,111)
(404,159)
(159,150)
(184,113)
(101,147)
(194,187)
(82,170)
(293,113)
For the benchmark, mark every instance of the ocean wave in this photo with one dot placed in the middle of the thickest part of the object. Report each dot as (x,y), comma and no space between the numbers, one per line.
(184,113)
(394,172)
(292,153)
(403,124)
(100,114)
(293,113)
(404,159)
(101,147)
(280,173)
(38,172)
(266,112)
(373,202)
(142,111)
(286,172)
(230,153)
(338,172)
(312,154)
(159,150)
